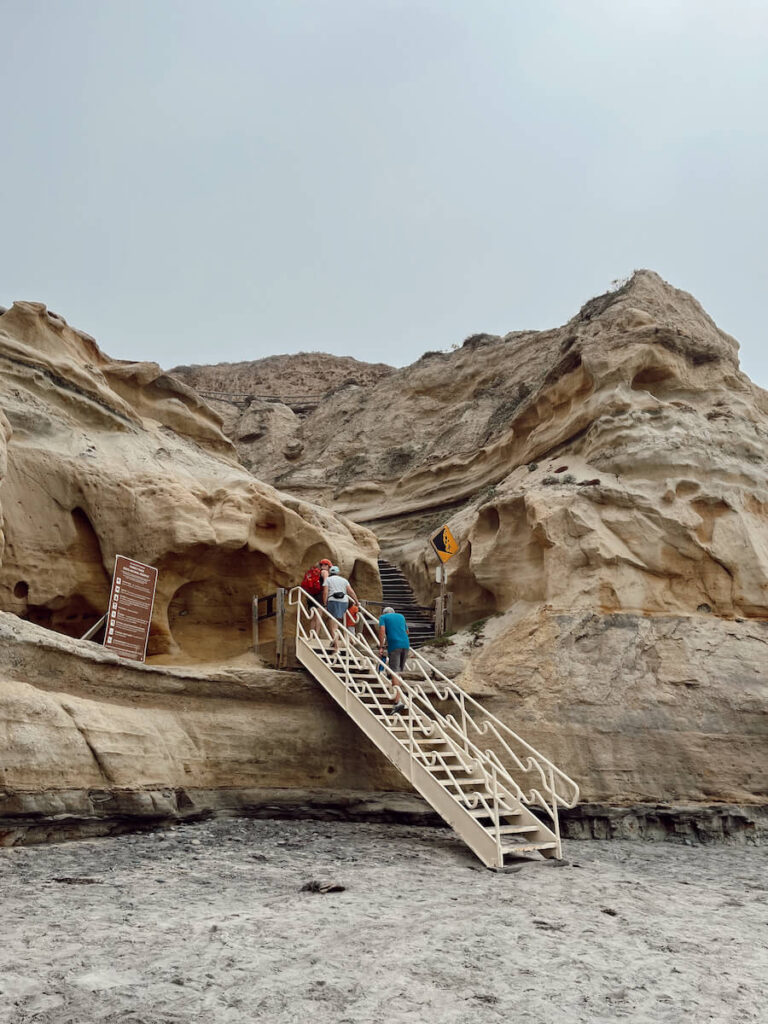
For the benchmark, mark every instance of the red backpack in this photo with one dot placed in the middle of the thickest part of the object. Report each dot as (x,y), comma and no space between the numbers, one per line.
(312,582)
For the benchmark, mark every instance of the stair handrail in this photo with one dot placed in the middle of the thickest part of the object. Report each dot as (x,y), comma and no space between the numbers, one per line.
(446,724)
(534,761)
(364,657)
(499,794)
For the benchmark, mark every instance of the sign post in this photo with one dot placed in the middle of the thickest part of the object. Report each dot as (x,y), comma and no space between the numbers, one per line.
(130,608)
(445,546)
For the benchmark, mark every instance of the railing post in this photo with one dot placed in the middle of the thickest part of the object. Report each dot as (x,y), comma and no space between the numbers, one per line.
(410,739)
(464,723)
(255,623)
(497,815)
(555,815)
(279,626)
(448,613)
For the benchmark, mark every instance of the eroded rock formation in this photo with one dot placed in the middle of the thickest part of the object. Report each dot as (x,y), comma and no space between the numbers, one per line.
(263,403)
(90,743)
(617,463)
(607,483)
(103,457)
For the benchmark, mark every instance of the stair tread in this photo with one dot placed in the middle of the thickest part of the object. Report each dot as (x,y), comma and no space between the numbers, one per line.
(507,848)
(480,812)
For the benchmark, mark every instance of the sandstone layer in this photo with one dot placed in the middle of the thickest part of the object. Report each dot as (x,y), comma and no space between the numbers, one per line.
(262,403)
(101,457)
(93,745)
(91,742)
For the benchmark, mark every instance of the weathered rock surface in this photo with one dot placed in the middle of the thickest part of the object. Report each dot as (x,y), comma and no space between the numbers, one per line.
(307,374)
(101,457)
(88,738)
(262,403)
(655,708)
(607,483)
(618,463)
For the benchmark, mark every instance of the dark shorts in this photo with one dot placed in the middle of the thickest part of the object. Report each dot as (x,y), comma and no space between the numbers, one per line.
(397,658)
(338,609)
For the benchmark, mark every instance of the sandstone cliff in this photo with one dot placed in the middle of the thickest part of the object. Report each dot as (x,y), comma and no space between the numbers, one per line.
(101,457)
(93,743)
(617,462)
(607,483)
(263,403)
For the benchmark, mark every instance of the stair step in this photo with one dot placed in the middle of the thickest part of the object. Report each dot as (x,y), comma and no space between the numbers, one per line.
(514,830)
(400,728)
(528,848)
(480,812)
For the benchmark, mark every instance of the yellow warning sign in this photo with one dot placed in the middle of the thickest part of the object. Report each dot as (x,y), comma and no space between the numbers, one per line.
(444,544)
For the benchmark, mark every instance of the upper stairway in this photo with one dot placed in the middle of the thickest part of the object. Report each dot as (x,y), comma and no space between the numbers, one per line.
(498,793)
(397,592)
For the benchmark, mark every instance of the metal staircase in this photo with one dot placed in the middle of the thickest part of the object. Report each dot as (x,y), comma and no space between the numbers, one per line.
(482,778)
(396,591)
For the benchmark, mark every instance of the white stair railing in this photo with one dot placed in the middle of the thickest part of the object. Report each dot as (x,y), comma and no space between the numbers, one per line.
(467,717)
(463,759)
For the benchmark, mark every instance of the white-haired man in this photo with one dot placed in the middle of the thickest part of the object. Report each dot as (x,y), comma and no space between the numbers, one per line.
(337,591)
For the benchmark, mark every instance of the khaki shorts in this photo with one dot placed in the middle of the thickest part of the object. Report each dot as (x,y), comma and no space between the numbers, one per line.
(397,659)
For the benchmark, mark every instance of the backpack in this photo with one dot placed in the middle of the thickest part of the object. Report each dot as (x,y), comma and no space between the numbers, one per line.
(312,582)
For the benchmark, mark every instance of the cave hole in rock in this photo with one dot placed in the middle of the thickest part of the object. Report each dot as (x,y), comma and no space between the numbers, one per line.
(487,525)
(658,381)
(471,600)
(210,614)
(75,612)
(269,522)
(72,615)
(313,554)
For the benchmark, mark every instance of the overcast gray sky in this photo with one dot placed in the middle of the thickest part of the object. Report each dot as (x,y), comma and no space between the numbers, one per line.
(206,180)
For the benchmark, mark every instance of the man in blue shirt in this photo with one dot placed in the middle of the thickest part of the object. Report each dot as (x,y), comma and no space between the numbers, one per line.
(394,630)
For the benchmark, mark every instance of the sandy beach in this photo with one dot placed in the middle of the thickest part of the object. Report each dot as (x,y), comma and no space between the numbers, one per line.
(210,923)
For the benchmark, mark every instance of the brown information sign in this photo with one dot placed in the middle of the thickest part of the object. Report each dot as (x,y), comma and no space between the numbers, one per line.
(130,608)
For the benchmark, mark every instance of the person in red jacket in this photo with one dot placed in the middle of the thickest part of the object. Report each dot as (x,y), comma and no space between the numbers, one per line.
(313,583)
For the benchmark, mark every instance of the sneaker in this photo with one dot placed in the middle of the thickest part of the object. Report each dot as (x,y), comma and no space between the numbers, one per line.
(396,708)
